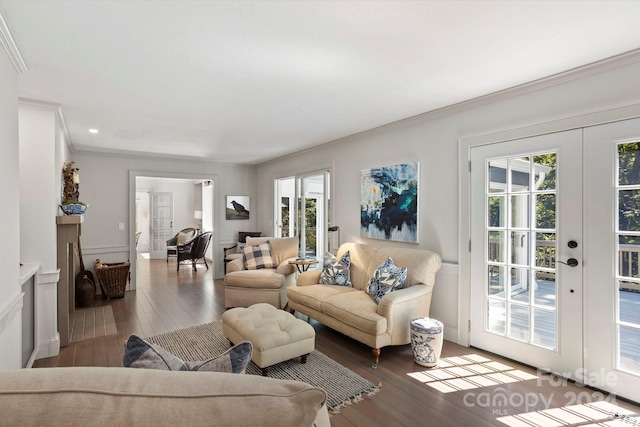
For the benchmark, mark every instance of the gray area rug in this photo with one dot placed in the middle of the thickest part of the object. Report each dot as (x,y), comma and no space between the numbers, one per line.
(343,386)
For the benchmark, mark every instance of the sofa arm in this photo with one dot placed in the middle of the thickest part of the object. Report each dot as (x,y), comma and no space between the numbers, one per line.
(235,265)
(311,277)
(401,307)
(286,268)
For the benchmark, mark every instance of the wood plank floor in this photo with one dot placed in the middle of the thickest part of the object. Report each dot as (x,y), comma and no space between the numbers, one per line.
(410,395)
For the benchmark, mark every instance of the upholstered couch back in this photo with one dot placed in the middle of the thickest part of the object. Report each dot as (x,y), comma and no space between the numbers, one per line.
(147,397)
(422,265)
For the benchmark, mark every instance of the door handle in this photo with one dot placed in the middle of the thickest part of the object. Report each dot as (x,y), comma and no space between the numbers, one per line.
(571,262)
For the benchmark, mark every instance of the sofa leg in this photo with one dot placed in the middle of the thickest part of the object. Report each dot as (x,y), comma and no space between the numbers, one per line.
(265,372)
(376,357)
(303,358)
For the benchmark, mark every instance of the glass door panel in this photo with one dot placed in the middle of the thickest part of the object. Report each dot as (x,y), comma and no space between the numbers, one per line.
(302,209)
(528,299)
(161,223)
(627,298)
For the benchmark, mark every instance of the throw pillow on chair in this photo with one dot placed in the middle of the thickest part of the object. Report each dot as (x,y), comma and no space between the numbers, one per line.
(256,257)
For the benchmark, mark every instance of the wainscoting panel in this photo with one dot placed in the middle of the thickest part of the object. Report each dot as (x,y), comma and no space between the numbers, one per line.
(444,302)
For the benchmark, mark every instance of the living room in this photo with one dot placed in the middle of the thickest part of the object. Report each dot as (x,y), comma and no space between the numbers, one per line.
(597,92)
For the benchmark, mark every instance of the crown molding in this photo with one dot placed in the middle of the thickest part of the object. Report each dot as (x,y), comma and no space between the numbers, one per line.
(36,104)
(63,125)
(9,44)
(52,107)
(577,73)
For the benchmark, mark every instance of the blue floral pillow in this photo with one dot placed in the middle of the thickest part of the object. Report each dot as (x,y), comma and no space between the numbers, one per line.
(336,272)
(387,278)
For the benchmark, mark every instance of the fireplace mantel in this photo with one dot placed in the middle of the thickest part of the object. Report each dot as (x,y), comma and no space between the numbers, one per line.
(68,230)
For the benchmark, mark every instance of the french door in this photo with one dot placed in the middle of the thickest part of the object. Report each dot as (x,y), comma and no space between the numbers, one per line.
(526,241)
(612,183)
(303,210)
(161,223)
(555,253)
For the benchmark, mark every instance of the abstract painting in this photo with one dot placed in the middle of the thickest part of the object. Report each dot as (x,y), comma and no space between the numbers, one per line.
(237,207)
(389,202)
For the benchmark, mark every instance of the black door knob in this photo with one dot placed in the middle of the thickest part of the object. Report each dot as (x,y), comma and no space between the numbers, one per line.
(571,262)
(572,244)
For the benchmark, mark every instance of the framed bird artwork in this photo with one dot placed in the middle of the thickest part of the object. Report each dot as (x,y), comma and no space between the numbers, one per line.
(238,207)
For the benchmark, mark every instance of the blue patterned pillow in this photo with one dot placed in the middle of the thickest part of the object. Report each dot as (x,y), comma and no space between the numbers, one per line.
(257,256)
(387,278)
(336,272)
(141,353)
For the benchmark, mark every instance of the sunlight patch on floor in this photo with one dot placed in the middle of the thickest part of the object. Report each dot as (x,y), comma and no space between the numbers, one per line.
(468,372)
(600,413)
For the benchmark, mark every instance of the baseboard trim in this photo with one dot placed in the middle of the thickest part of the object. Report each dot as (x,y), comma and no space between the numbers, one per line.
(48,348)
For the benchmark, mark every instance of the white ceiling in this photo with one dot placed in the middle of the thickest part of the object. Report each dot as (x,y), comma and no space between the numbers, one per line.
(247,81)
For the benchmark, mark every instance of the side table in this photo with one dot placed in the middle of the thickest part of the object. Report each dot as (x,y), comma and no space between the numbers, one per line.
(426,341)
(303,264)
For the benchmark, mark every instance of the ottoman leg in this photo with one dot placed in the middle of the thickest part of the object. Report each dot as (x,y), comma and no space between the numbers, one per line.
(265,371)
(303,358)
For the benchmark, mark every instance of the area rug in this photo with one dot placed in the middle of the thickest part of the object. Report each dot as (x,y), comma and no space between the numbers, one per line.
(343,386)
(93,322)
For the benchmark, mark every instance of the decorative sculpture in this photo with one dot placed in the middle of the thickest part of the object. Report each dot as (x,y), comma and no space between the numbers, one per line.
(71,190)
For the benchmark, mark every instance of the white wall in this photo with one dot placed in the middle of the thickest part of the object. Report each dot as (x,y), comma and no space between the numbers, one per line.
(105,187)
(432,140)
(43,149)
(10,291)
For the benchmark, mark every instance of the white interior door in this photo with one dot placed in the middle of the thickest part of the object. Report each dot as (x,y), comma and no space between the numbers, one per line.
(612,324)
(161,223)
(526,218)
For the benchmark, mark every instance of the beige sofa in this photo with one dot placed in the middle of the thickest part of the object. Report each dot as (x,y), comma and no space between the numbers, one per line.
(96,396)
(243,288)
(353,312)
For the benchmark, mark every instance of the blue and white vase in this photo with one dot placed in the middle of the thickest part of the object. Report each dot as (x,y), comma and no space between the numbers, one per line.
(73,208)
(426,341)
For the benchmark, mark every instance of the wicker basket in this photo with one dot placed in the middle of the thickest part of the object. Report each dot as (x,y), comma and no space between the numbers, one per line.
(112,277)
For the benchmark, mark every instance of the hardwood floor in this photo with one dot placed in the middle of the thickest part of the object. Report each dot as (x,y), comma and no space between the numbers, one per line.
(409,396)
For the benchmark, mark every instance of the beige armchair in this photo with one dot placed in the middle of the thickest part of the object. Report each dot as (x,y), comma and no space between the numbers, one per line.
(243,288)
(235,251)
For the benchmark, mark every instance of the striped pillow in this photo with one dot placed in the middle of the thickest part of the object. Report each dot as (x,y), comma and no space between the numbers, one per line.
(256,257)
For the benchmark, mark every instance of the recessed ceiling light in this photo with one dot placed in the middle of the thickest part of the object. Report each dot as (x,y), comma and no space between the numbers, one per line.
(93,130)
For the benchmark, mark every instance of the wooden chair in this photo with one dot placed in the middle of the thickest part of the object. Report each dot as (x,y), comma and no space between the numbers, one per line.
(194,250)
(184,235)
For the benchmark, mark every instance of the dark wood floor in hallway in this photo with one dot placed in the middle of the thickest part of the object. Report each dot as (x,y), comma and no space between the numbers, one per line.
(472,388)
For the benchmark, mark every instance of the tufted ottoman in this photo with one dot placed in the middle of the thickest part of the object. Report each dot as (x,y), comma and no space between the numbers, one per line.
(276,335)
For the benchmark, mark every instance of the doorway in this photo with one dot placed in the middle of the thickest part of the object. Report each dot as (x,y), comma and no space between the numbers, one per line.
(302,209)
(554,253)
(193,205)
